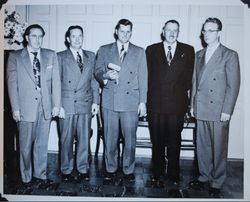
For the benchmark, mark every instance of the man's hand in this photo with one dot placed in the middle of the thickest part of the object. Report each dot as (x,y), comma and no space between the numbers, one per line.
(192,112)
(94,109)
(16,116)
(55,111)
(61,113)
(142,110)
(111,74)
(225,117)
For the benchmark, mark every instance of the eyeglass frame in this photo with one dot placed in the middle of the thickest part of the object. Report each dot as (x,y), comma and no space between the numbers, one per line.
(209,31)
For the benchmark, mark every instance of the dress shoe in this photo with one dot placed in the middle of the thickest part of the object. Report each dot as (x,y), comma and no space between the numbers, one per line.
(109,176)
(130,177)
(67,177)
(197,185)
(83,176)
(25,188)
(42,183)
(215,193)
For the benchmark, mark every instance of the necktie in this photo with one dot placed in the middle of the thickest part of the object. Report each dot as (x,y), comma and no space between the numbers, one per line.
(122,53)
(169,55)
(79,61)
(36,70)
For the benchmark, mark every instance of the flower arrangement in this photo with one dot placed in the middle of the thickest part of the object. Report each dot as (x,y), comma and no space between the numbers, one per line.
(13,29)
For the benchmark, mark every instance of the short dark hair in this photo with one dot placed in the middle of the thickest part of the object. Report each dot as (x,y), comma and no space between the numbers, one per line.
(213,20)
(27,32)
(125,22)
(172,21)
(67,34)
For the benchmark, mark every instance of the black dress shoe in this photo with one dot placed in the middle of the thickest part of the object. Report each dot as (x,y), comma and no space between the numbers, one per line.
(130,177)
(109,176)
(215,193)
(42,183)
(197,185)
(83,176)
(67,177)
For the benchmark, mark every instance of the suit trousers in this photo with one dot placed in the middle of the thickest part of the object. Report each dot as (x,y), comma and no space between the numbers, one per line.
(34,136)
(165,130)
(75,126)
(212,149)
(129,123)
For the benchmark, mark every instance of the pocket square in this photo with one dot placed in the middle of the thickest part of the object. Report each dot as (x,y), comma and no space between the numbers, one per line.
(182,55)
(49,66)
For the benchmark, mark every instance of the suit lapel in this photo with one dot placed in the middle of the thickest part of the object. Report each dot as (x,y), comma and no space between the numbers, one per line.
(27,63)
(211,65)
(43,66)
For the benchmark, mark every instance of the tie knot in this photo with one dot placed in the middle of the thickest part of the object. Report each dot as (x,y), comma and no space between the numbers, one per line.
(34,53)
(169,47)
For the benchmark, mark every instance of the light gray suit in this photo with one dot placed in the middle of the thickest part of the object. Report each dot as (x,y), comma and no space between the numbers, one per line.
(35,107)
(121,101)
(79,92)
(215,91)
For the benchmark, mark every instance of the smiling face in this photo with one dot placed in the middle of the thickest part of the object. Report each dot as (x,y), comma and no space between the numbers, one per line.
(171,32)
(211,33)
(35,38)
(75,39)
(124,33)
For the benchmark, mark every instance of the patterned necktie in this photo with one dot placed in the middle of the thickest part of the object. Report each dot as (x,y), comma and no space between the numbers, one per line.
(122,53)
(36,70)
(169,55)
(79,61)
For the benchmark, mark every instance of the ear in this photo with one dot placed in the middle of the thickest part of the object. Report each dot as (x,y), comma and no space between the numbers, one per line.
(27,38)
(68,39)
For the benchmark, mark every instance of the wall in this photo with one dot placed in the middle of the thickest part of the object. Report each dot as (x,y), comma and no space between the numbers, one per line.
(99,20)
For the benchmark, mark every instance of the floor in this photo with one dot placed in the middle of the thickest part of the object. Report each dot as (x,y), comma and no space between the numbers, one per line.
(141,188)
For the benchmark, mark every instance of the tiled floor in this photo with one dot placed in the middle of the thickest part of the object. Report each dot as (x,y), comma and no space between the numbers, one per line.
(141,188)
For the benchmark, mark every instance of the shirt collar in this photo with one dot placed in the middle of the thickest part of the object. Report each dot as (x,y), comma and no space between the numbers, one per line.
(119,45)
(213,47)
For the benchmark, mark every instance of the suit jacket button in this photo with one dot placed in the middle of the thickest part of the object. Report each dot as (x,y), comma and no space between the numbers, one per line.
(211,102)
(211,90)
(128,82)
(87,91)
(75,91)
(69,81)
(214,79)
(131,72)
(127,92)
(75,101)
(36,98)
(115,82)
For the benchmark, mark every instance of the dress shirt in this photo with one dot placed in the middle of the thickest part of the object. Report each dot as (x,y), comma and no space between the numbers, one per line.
(209,51)
(173,48)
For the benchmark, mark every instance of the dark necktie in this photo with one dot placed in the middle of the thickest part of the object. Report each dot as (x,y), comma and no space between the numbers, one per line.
(79,61)
(36,70)
(169,55)
(122,53)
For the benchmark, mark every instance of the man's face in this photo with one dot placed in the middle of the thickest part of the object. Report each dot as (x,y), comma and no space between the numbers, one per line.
(35,38)
(171,32)
(124,33)
(75,39)
(211,33)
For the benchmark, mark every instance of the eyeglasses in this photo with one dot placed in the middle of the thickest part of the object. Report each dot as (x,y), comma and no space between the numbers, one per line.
(209,31)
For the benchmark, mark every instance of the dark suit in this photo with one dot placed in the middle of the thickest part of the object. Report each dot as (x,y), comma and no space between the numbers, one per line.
(35,107)
(79,92)
(167,102)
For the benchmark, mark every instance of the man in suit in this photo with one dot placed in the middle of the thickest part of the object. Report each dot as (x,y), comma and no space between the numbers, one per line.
(80,99)
(35,94)
(216,83)
(121,67)
(170,68)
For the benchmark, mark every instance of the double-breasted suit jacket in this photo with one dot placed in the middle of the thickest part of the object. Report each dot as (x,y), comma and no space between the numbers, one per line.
(79,90)
(120,101)
(215,84)
(21,84)
(132,88)
(168,85)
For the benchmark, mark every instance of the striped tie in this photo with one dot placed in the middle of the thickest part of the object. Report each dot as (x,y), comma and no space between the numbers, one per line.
(122,53)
